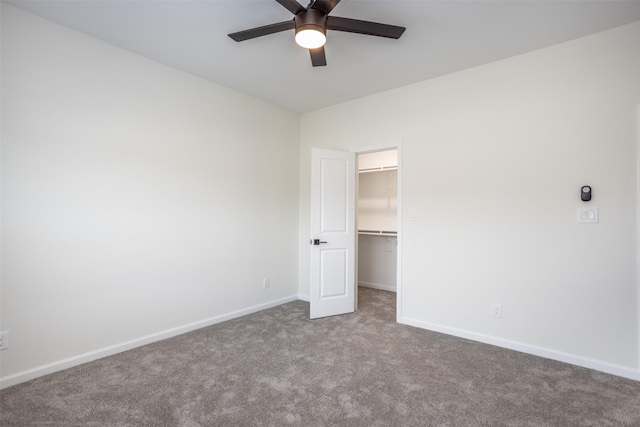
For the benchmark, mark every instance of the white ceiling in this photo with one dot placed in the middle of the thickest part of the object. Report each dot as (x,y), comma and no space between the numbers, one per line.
(441,37)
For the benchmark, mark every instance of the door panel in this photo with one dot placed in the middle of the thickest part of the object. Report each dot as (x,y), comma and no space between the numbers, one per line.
(333,209)
(333,273)
(333,225)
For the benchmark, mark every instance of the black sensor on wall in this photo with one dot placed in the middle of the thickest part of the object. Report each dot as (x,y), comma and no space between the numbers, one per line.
(585,193)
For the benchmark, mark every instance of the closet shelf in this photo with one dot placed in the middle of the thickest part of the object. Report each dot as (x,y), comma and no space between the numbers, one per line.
(378,232)
(378,169)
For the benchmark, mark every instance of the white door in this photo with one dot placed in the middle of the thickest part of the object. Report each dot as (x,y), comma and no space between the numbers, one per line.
(333,237)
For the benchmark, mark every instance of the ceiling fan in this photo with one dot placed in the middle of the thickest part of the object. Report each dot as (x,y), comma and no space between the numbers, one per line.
(311,24)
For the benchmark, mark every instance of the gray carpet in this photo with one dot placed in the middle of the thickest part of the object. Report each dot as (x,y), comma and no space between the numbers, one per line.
(277,368)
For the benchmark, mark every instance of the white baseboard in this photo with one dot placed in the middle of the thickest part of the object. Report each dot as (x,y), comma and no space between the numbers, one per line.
(559,356)
(377,286)
(70,362)
(306,298)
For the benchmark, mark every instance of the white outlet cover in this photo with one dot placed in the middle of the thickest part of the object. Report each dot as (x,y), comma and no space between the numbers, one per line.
(496,310)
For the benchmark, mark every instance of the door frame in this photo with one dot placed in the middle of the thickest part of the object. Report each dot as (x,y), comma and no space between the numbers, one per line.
(372,149)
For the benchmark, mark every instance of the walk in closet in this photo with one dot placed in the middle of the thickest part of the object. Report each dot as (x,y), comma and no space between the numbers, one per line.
(378,220)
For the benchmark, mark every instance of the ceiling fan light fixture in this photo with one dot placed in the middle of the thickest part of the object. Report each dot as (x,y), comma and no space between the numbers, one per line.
(310,38)
(311,29)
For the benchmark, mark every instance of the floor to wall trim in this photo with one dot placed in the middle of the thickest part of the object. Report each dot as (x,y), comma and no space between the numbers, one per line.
(70,362)
(559,356)
(377,286)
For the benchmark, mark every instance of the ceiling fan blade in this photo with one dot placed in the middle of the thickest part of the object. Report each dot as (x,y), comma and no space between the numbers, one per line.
(292,5)
(318,59)
(364,27)
(263,31)
(325,6)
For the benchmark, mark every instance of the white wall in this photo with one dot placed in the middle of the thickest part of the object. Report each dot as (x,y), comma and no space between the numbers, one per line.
(377,262)
(378,160)
(493,159)
(378,200)
(136,199)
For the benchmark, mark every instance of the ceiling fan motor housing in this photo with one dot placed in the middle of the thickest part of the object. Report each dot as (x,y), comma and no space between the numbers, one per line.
(311,19)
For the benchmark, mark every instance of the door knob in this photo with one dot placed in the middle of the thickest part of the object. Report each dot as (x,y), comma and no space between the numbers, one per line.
(315,242)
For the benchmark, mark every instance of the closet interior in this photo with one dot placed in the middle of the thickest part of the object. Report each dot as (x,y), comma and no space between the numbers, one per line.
(378,220)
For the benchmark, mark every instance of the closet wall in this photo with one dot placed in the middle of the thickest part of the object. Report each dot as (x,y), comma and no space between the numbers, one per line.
(378,220)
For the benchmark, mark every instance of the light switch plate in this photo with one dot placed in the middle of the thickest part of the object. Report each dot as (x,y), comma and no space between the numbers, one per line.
(588,216)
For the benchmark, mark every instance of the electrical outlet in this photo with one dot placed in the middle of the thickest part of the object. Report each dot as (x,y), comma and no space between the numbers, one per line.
(496,310)
(4,340)
(266,283)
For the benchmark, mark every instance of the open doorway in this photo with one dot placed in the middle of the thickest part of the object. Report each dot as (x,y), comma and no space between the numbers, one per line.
(377,219)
